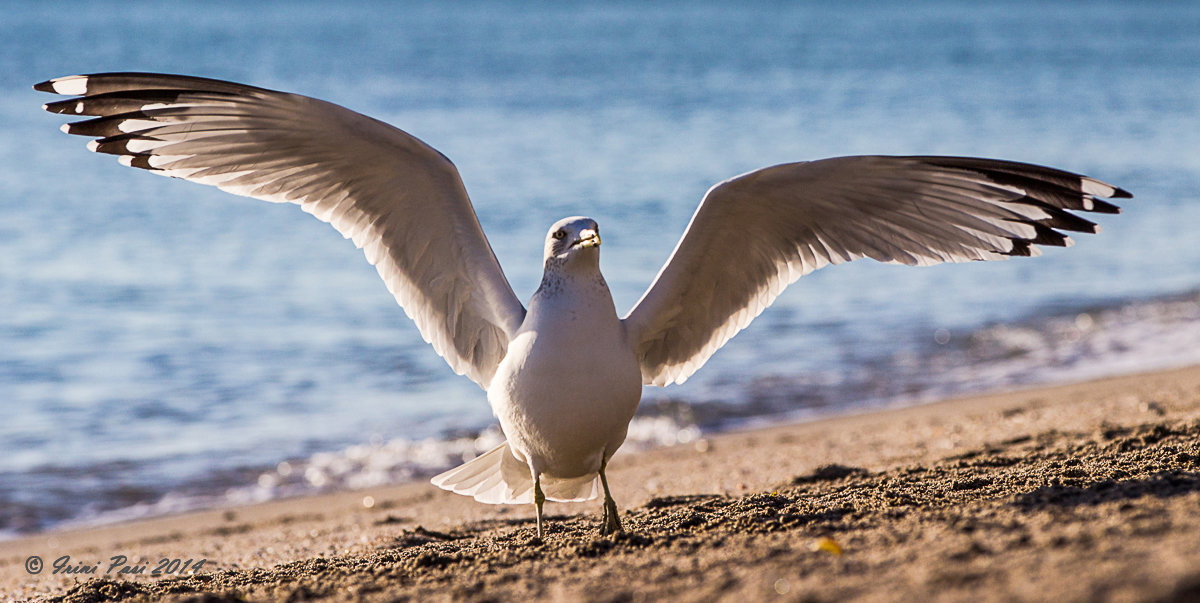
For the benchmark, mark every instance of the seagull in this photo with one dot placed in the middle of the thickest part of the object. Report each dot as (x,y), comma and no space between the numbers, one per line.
(564,376)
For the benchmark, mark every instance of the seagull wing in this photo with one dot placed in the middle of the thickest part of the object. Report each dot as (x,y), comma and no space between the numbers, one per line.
(755,234)
(398,199)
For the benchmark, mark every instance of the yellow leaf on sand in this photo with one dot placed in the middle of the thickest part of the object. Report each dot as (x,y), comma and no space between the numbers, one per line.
(826,544)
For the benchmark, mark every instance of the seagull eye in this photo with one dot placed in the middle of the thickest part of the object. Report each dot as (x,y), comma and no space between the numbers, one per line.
(560,234)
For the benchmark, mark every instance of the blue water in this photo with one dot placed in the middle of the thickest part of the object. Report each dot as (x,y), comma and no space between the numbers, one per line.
(162,341)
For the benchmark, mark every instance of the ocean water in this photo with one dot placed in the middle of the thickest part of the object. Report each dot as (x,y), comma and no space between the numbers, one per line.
(165,346)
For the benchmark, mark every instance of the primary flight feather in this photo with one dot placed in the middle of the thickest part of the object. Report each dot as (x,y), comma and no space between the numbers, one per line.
(565,376)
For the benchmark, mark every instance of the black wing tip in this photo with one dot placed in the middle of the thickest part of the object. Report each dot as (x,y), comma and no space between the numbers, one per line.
(1021,248)
(1103,207)
(68,85)
(69,106)
(1097,189)
(1004,171)
(99,127)
(142,161)
(125,81)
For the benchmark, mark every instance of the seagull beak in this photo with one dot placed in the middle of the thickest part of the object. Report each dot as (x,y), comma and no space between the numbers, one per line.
(588,238)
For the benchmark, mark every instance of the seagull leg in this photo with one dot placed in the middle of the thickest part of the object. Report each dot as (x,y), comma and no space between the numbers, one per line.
(538,499)
(612,519)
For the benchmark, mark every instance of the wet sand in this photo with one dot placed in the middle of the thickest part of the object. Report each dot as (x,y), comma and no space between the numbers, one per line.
(1082,492)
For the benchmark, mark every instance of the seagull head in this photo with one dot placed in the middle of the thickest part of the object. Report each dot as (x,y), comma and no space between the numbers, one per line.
(572,239)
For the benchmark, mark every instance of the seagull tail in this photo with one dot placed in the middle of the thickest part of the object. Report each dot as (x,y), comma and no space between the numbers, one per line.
(496,477)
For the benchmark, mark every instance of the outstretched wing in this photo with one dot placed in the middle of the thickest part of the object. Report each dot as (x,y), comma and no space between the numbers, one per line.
(757,233)
(398,199)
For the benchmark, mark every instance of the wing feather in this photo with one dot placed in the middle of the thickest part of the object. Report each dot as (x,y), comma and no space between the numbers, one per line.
(398,199)
(755,234)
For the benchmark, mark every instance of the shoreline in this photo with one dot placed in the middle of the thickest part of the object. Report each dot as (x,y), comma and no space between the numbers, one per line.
(1068,492)
(1071,343)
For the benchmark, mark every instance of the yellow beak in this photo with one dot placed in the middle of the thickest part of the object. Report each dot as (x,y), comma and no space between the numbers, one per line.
(588,238)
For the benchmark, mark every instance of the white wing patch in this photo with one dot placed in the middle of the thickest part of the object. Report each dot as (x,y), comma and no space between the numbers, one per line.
(399,200)
(774,225)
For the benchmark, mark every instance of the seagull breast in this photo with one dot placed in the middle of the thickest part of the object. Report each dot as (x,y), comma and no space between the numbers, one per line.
(570,382)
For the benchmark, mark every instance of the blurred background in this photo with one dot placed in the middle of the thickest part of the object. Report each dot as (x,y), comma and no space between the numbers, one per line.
(164,345)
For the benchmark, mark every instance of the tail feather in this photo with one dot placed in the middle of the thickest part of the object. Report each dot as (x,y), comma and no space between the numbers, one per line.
(571,490)
(488,484)
(471,483)
(468,478)
(497,477)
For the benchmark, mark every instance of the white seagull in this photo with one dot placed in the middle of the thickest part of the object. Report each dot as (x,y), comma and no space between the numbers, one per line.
(564,376)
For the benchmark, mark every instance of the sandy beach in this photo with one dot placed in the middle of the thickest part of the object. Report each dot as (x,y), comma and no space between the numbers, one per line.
(1081,492)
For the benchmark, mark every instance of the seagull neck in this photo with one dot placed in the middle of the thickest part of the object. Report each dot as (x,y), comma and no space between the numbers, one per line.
(565,272)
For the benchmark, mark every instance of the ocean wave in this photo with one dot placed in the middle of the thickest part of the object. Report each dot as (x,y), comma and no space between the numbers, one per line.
(375,463)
